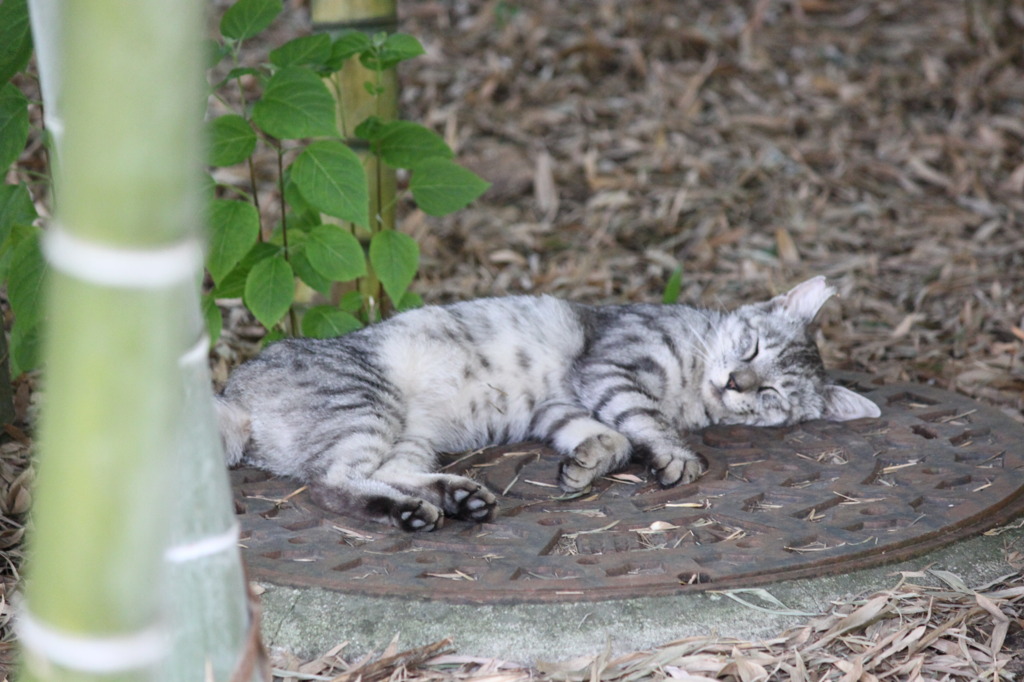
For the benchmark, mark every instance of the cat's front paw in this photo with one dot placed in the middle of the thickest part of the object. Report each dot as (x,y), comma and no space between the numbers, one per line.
(678,468)
(418,516)
(592,459)
(466,499)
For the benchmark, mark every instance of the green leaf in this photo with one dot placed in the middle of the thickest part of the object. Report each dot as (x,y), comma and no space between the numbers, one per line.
(351,302)
(247,18)
(296,104)
(397,48)
(441,186)
(404,144)
(673,287)
(400,47)
(335,253)
(233,286)
(410,300)
(326,322)
(16,208)
(207,186)
(314,50)
(269,290)
(25,283)
(212,316)
(234,228)
(15,38)
(214,51)
(17,234)
(26,347)
(306,272)
(395,258)
(272,336)
(331,178)
(238,72)
(294,197)
(347,46)
(369,129)
(13,124)
(232,140)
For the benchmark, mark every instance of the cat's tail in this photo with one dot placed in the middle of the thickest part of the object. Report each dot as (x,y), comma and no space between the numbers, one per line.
(235,429)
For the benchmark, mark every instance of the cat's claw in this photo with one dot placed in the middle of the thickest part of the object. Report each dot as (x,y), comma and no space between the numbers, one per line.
(471,502)
(420,516)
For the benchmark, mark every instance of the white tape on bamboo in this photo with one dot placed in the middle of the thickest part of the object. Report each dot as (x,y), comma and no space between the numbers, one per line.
(95,654)
(204,547)
(111,266)
(196,355)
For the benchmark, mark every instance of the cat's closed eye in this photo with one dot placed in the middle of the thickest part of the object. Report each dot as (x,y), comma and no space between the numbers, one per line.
(754,349)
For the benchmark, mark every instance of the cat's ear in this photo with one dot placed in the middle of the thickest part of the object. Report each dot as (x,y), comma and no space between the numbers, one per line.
(842,404)
(804,300)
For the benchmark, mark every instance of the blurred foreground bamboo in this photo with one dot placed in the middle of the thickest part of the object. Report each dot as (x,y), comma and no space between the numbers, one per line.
(128,456)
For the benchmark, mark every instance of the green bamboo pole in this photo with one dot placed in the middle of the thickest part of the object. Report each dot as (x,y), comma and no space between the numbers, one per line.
(208,602)
(355,104)
(122,257)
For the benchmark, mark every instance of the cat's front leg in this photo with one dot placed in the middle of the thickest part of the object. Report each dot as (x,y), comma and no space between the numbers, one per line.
(672,463)
(635,414)
(594,457)
(592,449)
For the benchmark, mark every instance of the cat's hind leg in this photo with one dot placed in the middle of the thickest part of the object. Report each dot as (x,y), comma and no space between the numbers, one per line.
(592,449)
(408,468)
(348,482)
(377,501)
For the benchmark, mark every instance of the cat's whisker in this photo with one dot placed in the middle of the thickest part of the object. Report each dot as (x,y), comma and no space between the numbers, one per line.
(699,352)
(699,338)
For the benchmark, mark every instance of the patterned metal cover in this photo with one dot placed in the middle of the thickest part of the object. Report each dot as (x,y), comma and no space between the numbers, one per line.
(775,504)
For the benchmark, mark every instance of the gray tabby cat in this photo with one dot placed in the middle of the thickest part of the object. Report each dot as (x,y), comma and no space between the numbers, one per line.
(361,418)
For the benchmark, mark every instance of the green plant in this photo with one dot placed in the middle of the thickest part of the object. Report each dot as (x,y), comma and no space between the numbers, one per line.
(21,263)
(326,235)
(673,287)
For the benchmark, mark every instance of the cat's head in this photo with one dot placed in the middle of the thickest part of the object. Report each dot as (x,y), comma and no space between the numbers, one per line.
(764,368)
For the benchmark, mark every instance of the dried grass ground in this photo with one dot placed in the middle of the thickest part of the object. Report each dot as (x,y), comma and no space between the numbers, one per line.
(754,143)
(938,629)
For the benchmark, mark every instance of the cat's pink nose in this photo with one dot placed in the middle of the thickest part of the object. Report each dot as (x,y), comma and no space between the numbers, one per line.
(742,380)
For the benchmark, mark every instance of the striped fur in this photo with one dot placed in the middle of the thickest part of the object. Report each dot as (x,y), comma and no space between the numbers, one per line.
(361,418)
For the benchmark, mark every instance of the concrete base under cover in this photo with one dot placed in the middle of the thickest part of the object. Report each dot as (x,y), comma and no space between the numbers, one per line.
(309,622)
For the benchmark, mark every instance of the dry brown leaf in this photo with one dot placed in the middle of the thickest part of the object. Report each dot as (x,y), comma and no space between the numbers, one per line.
(545,192)
(788,252)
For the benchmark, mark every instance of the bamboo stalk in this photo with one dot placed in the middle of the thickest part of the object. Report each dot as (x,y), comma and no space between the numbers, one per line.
(355,104)
(205,584)
(46,38)
(122,258)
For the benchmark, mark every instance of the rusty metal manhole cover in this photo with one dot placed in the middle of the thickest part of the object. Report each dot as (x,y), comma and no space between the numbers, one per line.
(775,504)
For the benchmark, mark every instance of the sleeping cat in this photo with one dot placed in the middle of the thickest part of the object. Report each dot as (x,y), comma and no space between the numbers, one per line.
(361,418)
